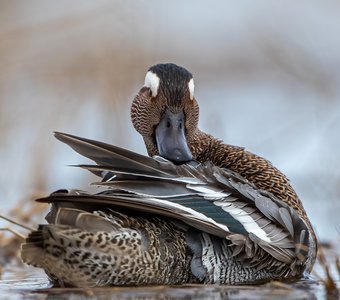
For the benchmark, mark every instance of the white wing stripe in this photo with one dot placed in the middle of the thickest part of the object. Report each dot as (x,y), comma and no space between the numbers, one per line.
(190,211)
(248,223)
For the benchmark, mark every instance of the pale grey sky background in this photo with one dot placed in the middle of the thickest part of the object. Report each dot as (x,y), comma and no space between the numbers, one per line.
(267,77)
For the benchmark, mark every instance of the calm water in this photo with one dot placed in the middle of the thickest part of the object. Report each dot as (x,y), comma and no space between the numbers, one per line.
(29,283)
(33,285)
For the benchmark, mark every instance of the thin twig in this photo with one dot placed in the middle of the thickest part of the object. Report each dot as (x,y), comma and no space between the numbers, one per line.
(329,283)
(16,223)
(16,233)
(337,263)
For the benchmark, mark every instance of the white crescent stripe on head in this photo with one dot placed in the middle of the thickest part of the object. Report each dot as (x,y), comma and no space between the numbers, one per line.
(152,82)
(191,88)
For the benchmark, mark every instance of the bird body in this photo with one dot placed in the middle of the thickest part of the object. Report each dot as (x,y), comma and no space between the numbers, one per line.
(197,211)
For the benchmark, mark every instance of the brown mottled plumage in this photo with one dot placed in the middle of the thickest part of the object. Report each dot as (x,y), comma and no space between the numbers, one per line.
(134,251)
(250,166)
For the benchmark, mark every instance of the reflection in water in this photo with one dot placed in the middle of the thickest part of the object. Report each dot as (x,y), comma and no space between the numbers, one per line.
(155,293)
(190,293)
(31,283)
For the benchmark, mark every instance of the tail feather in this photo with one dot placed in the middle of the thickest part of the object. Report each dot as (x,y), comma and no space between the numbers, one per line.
(32,251)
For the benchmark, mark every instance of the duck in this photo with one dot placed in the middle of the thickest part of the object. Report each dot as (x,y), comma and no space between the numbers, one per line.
(195,210)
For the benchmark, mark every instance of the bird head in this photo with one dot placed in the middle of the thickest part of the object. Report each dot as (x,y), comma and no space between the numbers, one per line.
(165,112)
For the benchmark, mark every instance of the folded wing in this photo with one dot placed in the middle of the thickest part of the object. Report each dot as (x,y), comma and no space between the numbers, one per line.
(210,199)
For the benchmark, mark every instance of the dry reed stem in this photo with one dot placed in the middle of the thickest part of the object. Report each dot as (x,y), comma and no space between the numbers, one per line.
(332,291)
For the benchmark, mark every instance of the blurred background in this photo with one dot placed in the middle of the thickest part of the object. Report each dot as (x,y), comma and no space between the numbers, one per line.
(267,77)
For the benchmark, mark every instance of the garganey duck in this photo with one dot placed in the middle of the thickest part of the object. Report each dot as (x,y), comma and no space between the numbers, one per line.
(198,210)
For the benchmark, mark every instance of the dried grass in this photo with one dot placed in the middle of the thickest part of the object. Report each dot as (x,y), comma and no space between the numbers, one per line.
(28,213)
(331,290)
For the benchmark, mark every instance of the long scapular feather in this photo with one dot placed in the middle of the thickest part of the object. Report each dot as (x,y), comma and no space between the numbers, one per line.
(110,155)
